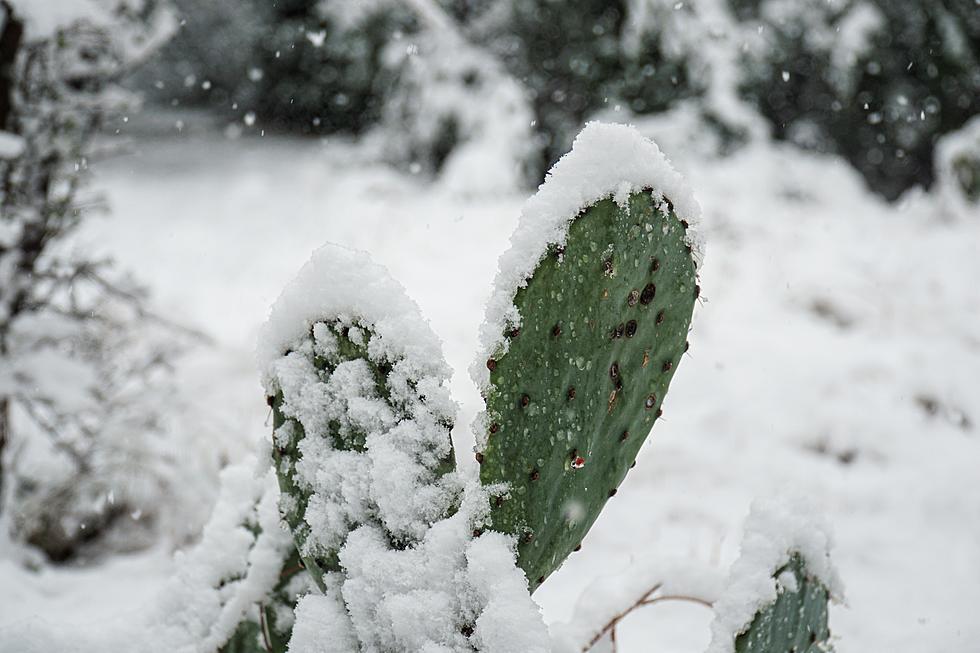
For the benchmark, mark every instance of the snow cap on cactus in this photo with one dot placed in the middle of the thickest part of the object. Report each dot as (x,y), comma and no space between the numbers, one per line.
(605,160)
(338,283)
(786,541)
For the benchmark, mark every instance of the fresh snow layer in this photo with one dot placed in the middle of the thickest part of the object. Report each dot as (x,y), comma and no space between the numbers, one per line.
(605,160)
(11,145)
(775,530)
(393,483)
(338,283)
(42,18)
(234,567)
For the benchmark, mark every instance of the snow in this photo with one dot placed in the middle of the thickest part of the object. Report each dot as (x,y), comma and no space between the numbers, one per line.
(775,530)
(962,146)
(342,284)
(651,577)
(221,580)
(43,18)
(836,351)
(420,599)
(605,160)
(855,32)
(11,145)
(341,290)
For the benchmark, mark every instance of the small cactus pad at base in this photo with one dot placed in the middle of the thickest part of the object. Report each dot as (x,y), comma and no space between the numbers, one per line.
(604,324)
(268,636)
(796,621)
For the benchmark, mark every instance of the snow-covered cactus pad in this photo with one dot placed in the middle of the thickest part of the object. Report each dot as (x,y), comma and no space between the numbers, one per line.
(586,327)
(364,459)
(795,621)
(235,591)
(778,590)
(362,416)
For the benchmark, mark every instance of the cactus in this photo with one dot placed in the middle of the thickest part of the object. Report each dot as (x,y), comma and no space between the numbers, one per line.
(289,431)
(269,634)
(361,417)
(604,323)
(795,621)
(779,587)
(585,331)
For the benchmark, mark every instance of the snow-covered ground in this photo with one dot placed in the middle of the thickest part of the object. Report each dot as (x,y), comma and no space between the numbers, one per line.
(836,354)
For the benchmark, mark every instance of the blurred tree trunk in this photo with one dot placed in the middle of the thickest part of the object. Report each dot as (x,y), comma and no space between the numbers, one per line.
(10,39)
(11,36)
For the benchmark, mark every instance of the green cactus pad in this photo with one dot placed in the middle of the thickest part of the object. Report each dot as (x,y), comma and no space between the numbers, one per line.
(267,636)
(604,324)
(289,433)
(796,621)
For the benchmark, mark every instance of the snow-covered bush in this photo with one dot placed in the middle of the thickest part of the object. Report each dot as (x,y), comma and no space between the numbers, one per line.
(872,80)
(83,398)
(320,66)
(409,553)
(454,109)
(958,168)
(577,58)
(211,60)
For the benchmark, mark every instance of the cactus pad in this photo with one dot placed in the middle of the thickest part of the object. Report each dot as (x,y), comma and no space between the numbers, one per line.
(603,326)
(268,636)
(361,412)
(332,351)
(796,621)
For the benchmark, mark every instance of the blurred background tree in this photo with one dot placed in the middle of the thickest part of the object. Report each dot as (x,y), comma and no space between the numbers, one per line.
(876,81)
(873,81)
(86,433)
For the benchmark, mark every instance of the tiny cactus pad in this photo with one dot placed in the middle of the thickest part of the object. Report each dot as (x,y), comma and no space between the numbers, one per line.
(603,326)
(361,414)
(795,621)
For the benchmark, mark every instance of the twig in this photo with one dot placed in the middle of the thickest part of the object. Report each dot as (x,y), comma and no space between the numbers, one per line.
(644,600)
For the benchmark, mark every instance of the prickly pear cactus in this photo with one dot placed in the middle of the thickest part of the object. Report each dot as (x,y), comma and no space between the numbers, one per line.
(333,348)
(603,326)
(269,634)
(362,417)
(796,621)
